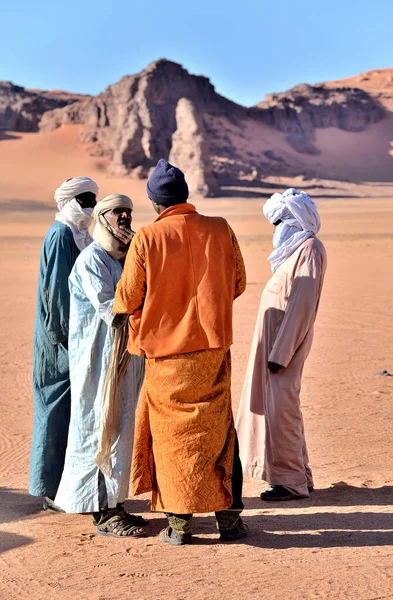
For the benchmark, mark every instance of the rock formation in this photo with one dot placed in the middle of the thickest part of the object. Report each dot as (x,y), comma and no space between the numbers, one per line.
(304,108)
(190,149)
(164,111)
(21,109)
(146,116)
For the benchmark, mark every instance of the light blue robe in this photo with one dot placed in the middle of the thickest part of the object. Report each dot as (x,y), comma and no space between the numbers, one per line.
(51,383)
(92,286)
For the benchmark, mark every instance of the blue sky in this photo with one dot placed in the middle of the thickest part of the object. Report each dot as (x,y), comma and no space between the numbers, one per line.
(246,48)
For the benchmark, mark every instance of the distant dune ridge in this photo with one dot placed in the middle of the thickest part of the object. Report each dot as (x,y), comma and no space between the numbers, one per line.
(341,130)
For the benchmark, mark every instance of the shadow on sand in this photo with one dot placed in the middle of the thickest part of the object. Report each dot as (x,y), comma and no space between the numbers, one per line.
(18,206)
(311,529)
(14,506)
(328,529)
(339,494)
(241,192)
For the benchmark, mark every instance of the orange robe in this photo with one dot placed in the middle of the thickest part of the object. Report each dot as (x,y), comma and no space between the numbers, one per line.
(180,278)
(269,422)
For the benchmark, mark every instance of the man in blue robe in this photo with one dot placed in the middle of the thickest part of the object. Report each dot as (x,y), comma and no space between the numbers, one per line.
(65,239)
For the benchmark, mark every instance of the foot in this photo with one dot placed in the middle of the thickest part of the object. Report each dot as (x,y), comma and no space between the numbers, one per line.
(136,520)
(117,525)
(310,489)
(170,536)
(49,504)
(133,519)
(279,493)
(232,535)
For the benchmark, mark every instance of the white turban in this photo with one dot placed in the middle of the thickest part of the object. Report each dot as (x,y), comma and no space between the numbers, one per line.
(70,213)
(299,220)
(293,205)
(73,187)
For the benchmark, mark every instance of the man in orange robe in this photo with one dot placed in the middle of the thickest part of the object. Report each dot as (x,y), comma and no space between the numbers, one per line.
(181,276)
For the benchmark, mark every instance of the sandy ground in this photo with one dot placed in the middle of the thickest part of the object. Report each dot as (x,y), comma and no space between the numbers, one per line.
(336,545)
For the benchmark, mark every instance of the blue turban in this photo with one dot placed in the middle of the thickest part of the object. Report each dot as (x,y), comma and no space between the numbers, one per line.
(166,185)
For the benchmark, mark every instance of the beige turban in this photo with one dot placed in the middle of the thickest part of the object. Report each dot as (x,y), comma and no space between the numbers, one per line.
(103,232)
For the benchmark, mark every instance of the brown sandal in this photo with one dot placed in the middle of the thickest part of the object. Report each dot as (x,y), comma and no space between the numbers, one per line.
(171,536)
(136,520)
(118,526)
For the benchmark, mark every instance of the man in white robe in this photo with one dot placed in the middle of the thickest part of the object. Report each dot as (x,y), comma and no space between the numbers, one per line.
(270,423)
(94,332)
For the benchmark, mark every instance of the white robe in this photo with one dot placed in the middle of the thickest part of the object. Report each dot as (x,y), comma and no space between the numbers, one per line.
(92,286)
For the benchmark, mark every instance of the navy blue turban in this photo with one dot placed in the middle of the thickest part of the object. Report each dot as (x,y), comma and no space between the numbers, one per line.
(166,185)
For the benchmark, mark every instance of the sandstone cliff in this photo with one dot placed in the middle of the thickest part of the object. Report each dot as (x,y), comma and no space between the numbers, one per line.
(305,108)
(164,111)
(160,112)
(22,109)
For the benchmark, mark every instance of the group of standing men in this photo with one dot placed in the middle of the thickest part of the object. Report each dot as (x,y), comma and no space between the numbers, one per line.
(132,365)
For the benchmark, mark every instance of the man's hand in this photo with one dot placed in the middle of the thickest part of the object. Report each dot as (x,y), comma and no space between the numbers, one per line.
(124,235)
(274,367)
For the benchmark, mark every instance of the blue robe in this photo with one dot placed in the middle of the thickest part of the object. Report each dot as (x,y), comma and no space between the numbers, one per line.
(51,379)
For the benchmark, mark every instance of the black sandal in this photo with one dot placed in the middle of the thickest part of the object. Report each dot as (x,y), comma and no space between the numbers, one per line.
(279,493)
(237,533)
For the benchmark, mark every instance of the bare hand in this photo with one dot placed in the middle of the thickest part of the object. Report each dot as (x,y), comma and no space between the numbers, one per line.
(124,235)
(274,367)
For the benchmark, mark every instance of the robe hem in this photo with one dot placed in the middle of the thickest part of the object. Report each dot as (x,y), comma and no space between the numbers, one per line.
(254,471)
(185,510)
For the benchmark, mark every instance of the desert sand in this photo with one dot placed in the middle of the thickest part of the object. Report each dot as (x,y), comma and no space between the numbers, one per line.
(336,545)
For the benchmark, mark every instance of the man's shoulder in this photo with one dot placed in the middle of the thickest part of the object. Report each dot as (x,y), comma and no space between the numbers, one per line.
(214,220)
(93,254)
(313,246)
(59,232)
(168,224)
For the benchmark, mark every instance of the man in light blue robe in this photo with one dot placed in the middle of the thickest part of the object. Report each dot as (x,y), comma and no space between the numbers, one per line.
(84,487)
(67,236)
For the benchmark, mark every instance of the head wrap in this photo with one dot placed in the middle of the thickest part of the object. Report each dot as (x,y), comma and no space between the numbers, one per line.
(71,213)
(166,185)
(73,187)
(299,220)
(103,233)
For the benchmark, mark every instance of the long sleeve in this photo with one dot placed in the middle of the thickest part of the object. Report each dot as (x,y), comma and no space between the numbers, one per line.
(301,309)
(56,300)
(240,282)
(131,289)
(97,282)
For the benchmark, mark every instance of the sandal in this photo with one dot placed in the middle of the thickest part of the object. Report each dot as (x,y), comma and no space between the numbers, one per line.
(170,536)
(237,533)
(136,520)
(118,526)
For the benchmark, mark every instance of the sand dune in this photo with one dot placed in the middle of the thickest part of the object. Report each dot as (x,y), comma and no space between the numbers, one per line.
(34,164)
